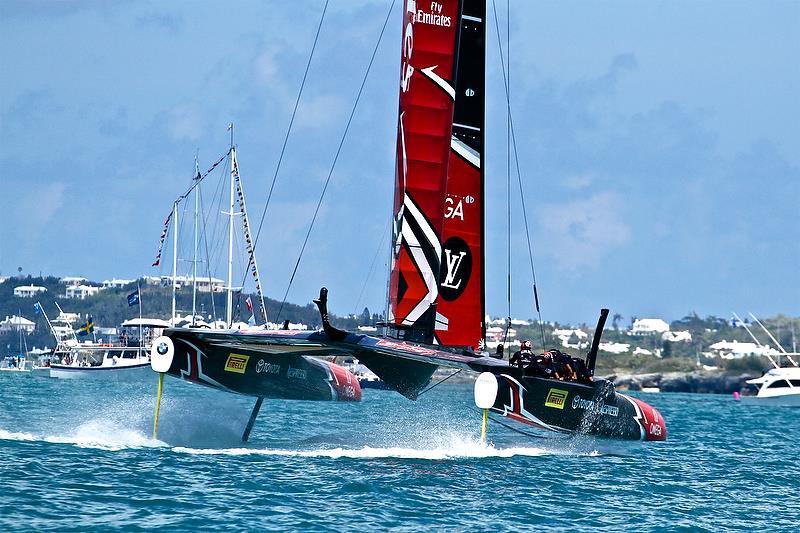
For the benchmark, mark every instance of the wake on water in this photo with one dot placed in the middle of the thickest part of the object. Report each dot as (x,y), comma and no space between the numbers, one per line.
(108,436)
(189,425)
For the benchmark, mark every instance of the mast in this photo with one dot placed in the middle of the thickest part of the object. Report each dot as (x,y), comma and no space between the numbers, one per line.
(229,310)
(194,261)
(174,257)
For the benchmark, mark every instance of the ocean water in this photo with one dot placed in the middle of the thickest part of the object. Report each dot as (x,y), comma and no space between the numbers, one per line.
(78,456)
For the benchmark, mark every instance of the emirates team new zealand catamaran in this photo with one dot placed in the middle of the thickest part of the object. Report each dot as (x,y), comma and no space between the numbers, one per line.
(436,289)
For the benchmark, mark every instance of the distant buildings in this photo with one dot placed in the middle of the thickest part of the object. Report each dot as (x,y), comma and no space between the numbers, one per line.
(496,334)
(81,291)
(117,283)
(676,336)
(16,323)
(736,350)
(28,291)
(204,284)
(614,347)
(572,338)
(648,326)
(72,280)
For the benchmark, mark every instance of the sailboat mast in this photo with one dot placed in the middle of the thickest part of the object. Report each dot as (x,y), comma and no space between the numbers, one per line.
(194,261)
(174,257)
(229,311)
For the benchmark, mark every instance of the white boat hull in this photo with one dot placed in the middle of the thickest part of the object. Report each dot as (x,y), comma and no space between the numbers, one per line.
(784,400)
(111,373)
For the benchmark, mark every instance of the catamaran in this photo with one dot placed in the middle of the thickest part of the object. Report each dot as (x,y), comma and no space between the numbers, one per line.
(437,286)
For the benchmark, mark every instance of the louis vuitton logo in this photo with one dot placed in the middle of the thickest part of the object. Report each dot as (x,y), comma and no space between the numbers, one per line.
(453,262)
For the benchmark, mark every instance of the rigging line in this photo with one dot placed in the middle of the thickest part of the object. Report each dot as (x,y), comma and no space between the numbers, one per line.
(336,158)
(509,208)
(288,132)
(208,259)
(440,382)
(519,178)
(219,229)
(371,268)
(196,182)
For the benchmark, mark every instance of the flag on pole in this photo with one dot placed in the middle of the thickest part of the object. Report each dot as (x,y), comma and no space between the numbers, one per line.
(164,231)
(133,298)
(249,303)
(37,308)
(88,327)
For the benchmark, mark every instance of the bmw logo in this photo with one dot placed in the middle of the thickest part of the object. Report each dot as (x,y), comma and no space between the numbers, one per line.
(162,348)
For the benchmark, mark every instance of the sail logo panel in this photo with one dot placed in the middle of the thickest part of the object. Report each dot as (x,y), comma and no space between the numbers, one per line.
(461,307)
(424,131)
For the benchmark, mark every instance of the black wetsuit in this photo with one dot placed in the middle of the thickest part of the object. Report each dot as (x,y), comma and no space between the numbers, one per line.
(542,366)
(521,358)
(564,364)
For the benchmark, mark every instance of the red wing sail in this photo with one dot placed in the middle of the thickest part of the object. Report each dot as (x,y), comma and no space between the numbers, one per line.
(460,308)
(423,149)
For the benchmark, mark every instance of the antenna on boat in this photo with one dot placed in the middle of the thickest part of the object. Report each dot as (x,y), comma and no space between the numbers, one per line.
(229,298)
(787,354)
(771,360)
(591,357)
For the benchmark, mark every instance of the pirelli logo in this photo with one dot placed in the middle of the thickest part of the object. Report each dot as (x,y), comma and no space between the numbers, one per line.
(556,398)
(236,363)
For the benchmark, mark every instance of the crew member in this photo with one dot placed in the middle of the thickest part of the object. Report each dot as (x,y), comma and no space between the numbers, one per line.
(522,357)
(543,366)
(564,365)
(582,374)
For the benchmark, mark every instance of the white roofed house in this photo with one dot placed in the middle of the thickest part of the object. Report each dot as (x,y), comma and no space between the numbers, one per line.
(17,323)
(572,338)
(736,350)
(81,291)
(648,326)
(117,283)
(677,336)
(28,291)
(72,280)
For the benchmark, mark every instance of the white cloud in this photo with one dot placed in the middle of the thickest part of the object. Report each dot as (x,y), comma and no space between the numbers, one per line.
(185,122)
(579,181)
(320,112)
(44,203)
(581,232)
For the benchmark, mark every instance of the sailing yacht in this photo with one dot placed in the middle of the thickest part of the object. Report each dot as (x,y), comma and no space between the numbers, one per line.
(437,281)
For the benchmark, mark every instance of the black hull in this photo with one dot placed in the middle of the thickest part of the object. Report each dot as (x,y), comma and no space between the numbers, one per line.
(213,361)
(285,364)
(592,409)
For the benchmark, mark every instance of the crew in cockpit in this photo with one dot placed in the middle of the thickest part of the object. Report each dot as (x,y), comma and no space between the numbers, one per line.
(543,366)
(522,358)
(564,365)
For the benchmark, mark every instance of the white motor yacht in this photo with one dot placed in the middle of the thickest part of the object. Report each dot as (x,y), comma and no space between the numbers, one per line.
(778,386)
(125,360)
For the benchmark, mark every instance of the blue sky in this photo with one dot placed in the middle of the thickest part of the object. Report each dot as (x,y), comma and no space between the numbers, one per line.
(659,146)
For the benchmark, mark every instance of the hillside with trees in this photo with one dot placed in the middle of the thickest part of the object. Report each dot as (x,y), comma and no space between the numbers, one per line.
(109,308)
